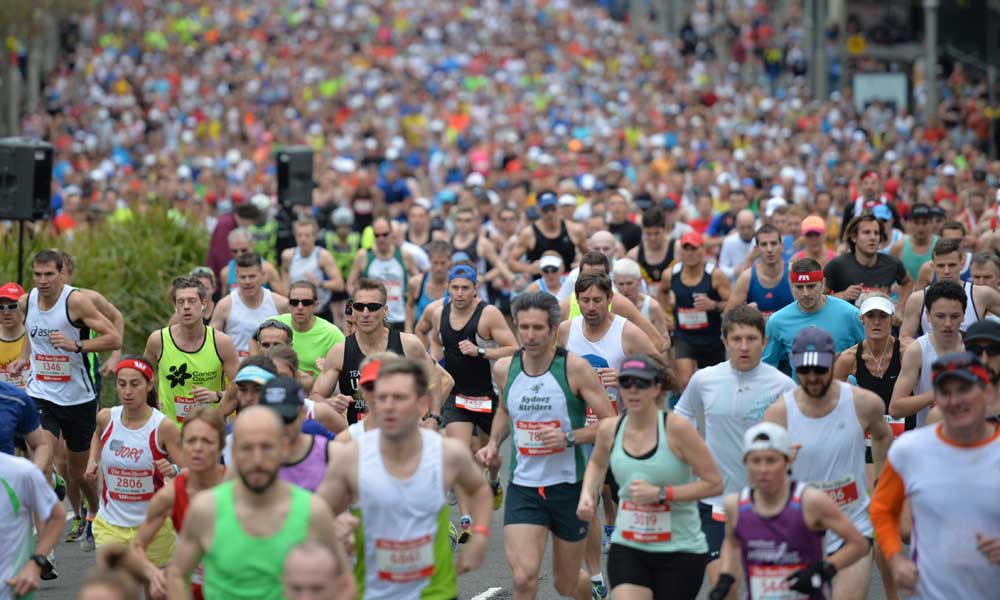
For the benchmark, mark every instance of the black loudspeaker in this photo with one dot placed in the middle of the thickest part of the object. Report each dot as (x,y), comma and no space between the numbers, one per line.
(25,179)
(295,175)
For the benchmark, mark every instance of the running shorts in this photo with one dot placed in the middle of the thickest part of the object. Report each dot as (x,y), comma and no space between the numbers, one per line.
(552,507)
(76,423)
(160,550)
(676,575)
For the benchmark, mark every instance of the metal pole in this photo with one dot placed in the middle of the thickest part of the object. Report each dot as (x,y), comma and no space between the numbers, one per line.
(821,66)
(930,58)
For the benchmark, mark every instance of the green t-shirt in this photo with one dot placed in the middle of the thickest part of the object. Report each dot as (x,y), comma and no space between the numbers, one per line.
(314,343)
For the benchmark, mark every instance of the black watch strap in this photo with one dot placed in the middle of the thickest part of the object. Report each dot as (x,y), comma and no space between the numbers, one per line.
(43,562)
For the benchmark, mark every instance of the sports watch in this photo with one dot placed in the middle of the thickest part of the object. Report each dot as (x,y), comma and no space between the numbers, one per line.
(570,438)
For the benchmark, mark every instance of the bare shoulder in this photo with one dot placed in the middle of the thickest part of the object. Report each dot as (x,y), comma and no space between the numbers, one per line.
(412,347)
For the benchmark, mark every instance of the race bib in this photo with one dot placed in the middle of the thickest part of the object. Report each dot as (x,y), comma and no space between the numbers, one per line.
(692,318)
(394,291)
(479,404)
(15,379)
(52,367)
(363,206)
(129,485)
(898,427)
(592,416)
(183,405)
(243,354)
(843,491)
(529,442)
(767,582)
(403,561)
(644,523)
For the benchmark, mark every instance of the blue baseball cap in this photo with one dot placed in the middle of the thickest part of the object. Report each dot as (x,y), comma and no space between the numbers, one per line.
(547,199)
(882,212)
(253,374)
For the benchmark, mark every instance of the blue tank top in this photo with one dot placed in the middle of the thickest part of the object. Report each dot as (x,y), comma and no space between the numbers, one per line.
(231,279)
(545,288)
(772,299)
(423,300)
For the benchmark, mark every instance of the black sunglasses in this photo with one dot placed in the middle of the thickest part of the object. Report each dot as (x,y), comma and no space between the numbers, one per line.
(812,370)
(634,382)
(550,269)
(371,306)
(296,302)
(990,349)
(385,234)
(550,208)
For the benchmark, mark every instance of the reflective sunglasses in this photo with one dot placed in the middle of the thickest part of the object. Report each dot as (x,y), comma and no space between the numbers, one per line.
(812,370)
(634,382)
(384,234)
(370,306)
(11,307)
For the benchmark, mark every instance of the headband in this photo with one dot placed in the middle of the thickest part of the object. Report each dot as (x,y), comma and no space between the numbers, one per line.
(871,175)
(806,276)
(462,272)
(138,365)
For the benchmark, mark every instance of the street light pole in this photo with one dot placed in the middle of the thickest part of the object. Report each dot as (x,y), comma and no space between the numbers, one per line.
(930,58)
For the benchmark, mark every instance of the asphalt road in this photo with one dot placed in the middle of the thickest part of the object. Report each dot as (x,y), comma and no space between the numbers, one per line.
(492,580)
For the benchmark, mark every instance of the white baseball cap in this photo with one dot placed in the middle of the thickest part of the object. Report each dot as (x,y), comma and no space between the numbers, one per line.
(767,436)
(550,260)
(949,170)
(567,200)
(878,303)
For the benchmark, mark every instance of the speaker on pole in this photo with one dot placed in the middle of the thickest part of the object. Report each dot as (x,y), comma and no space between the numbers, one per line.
(25,179)
(295,176)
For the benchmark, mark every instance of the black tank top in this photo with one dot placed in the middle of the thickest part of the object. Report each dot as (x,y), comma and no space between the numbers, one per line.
(563,244)
(882,385)
(653,272)
(470,250)
(351,371)
(703,328)
(471,373)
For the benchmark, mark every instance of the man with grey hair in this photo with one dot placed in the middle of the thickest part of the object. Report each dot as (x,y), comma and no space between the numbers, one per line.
(738,245)
(627,278)
(241,242)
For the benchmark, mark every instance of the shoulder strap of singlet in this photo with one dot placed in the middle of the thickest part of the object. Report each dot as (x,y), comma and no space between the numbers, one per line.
(395,342)
(971,294)
(423,285)
(858,362)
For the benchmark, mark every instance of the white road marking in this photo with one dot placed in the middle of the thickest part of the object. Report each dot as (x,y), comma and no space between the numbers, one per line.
(487,594)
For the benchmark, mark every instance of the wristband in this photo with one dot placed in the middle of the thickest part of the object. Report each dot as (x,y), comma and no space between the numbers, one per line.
(483,529)
(670,493)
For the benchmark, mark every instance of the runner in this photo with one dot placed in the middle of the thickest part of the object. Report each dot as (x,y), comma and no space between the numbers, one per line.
(240,243)
(320,418)
(550,232)
(202,438)
(192,360)
(13,334)
(207,278)
(814,239)
(811,307)
(626,276)
(983,340)
(728,398)
(738,245)
(775,527)
(655,252)
(312,336)
(601,242)
(254,517)
(309,262)
(406,549)
(916,246)
(545,392)
(764,285)
(553,274)
(240,313)
(19,423)
(829,421)
(269,334)
(58,322)
(343,244)
(461,332)
(130,453)
(700,292)
(658,550)
(314,570)
(863,268)
(984,269)
(913,394)
(343,363)
(28,498)
(427,287)
(951,230)
(468,241)
(366,384)
(955,553)
(387,263)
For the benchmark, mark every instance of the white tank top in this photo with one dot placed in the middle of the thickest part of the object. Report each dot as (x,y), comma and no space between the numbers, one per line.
(832,457)
(130,477)
(399,536)
(310,408)
(391,273)
(927,357)
(58,376)
(302,266)
(644,311)
(605,352)
(971,315)
(243,321)
(356,429)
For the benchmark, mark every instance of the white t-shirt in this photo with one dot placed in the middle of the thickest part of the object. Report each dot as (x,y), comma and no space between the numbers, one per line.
(733,254)
(23,492)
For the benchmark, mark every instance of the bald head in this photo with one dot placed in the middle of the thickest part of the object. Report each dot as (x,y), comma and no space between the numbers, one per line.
(256,419)
(259,446)
(312,572)
(745,221)
(603,242)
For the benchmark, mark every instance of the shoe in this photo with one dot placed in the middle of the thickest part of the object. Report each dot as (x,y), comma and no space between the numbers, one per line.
(76,528)
(466,527)
(87,542)
(606,538)
(497,494)
(51,574)
(598,591)
(59,486)
(453,535)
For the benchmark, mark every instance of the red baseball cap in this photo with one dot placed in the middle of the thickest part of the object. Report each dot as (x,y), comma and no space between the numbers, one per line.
(369,372)
(11,291)
(692,238)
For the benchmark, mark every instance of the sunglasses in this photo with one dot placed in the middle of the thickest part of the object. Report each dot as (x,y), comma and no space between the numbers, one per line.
(549,209)
(550,270)
(382,235)
(634,382)
(295,302)
(371,306)
(812,370)
(990,349)
(11,307)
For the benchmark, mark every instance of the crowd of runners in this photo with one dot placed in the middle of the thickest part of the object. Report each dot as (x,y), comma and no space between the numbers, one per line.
(733,337)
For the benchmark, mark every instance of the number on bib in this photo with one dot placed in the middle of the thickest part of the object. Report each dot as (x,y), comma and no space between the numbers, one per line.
(529,440)
(129,485)
(767,582)
(401,561)
(843,491)
(644,523)
(479,404)
(691,318)
(183,405)
(52,367)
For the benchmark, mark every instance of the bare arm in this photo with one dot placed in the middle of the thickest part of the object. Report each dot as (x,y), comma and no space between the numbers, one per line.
(589,389)
(468,477)
(221,313)
(327,379)
(904,289)
(286,266)
(622,306)
(82,309)
(159,509)
(722,287)
(273,279)
(198,521)
(740,291)
(824,514)
(687,444)
(154,348)
(115,317)
(657,315)
(525,241)
(634,341)
(413,349)
(357,269)
(412,297)
(41,452)
(911,317)
(498,331)
(904,403)
(846,363)
(777,413)
(731,552)
(871,409)
(337,488)
(227,353)
(334,281)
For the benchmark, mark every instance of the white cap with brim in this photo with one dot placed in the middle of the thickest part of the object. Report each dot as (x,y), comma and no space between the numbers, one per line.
(550,260)
(878,303)
(767,436)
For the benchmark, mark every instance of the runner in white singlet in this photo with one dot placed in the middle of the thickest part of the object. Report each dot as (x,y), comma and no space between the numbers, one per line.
(239,314)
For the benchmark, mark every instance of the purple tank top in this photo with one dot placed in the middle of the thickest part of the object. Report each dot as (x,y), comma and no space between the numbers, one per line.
(775,547)
(308,472)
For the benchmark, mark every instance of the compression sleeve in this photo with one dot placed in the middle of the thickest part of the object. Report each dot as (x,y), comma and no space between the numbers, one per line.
(886,507)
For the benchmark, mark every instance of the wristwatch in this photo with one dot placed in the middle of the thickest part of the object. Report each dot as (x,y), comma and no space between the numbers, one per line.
(481,351)
(79,349)
(570,438)
(663,496)
(42,562)
(437,418)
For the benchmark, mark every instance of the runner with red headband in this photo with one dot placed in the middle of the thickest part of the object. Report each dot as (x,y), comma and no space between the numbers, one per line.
(130,447)
(811,307)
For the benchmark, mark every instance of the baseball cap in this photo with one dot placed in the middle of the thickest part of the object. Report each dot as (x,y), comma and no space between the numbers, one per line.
(879,303)
(546,199)
(669,204)
(253,374)
(920,211)
(11,291)
(949,170)
(475,179)
(882,212)
(812,347)
(692,238)
(551,260)
(774,204)
(937,211)
(767,436)
(284,395)
(985,330)
(964,365)
(369,372)
(813,224)
(567,200)
(640,366)
(532,213)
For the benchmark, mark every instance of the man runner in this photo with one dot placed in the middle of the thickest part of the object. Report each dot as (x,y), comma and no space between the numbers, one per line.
(309,262)
(241,242)
(239,314)
(427,287)
(765,285)
(312,336)
(13,335)
(388,263)
(550,232)
(546,392)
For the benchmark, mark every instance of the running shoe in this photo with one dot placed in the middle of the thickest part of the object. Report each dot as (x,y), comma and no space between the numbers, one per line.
(76,528)
(466,529)
(453,535)
(497,494)
(598,591)
(59,486)
(87,542)
(51,574)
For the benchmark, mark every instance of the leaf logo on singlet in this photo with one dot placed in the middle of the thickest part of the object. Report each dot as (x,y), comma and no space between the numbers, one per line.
(178,375)
(536,388)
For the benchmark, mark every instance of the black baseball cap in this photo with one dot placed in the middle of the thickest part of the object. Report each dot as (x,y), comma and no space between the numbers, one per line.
(921,211)
(285,396)
(986,330)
